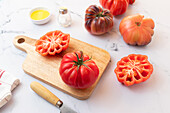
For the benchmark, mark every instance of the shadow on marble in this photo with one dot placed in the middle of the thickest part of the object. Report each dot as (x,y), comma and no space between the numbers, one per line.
(152,84)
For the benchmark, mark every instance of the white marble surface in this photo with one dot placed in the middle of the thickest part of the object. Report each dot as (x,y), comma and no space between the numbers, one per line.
(152,96)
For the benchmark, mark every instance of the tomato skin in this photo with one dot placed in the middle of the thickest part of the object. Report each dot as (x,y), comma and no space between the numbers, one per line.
(97,20)
(52,42)
(116,7)
(133,69)
(131,1)
(136,30)
(81,78)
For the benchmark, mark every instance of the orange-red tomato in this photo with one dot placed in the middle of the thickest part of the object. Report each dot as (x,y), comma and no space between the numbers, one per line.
(52,42)
(133,69)
(136,30)
(116,7)
(131,1)
(97,20)
(78,70)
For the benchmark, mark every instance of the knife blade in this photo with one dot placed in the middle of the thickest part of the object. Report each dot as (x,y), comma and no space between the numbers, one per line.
(50,97)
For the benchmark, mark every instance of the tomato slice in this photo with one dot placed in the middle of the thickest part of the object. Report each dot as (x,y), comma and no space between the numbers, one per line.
(133,69)
(52,42)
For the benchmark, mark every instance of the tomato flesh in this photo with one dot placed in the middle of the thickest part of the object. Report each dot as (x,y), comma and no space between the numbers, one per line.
(133,69)
(52,42)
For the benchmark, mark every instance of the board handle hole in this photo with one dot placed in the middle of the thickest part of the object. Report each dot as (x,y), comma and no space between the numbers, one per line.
(21,40)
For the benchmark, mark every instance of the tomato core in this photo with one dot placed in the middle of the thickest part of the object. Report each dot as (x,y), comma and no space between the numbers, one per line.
(138,23)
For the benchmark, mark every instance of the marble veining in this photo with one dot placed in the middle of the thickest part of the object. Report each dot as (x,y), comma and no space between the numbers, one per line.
(109,96)
(11,31)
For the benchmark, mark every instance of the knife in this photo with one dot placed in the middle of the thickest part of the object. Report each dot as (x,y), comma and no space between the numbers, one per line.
(50,97)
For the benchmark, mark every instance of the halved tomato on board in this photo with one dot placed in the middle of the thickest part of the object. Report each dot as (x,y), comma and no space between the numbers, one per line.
(133,69)
(52,42)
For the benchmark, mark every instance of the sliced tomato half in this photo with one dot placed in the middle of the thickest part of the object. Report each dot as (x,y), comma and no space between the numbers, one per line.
(133,69)
(52,42)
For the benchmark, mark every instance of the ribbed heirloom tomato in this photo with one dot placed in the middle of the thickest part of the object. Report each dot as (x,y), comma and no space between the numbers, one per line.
(52,42)
(97,20)
(133,69)
(137,30)
(78,70)
(116,7)
(131,1)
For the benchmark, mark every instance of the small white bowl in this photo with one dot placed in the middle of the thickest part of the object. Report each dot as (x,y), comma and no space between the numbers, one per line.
(43,21)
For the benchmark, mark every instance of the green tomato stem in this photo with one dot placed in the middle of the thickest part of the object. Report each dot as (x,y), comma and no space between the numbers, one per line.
(80,61)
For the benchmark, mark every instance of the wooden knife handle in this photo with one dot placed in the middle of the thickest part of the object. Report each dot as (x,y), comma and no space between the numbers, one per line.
(46,94)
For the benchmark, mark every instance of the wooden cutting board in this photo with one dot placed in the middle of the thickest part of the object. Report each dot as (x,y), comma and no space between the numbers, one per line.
(46,68)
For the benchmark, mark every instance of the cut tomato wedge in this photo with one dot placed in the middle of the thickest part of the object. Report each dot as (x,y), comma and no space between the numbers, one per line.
(133,69)
(52,42)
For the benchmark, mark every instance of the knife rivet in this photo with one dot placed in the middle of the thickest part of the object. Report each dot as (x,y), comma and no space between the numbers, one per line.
(59,103)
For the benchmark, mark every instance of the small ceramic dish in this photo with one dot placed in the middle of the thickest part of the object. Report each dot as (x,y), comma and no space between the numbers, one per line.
(40,20)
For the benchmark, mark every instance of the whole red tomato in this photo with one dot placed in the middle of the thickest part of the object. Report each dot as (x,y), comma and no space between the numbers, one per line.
(116,7)
(136,30)
(131,1)
(78,70)
(97,20)
(133,69)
